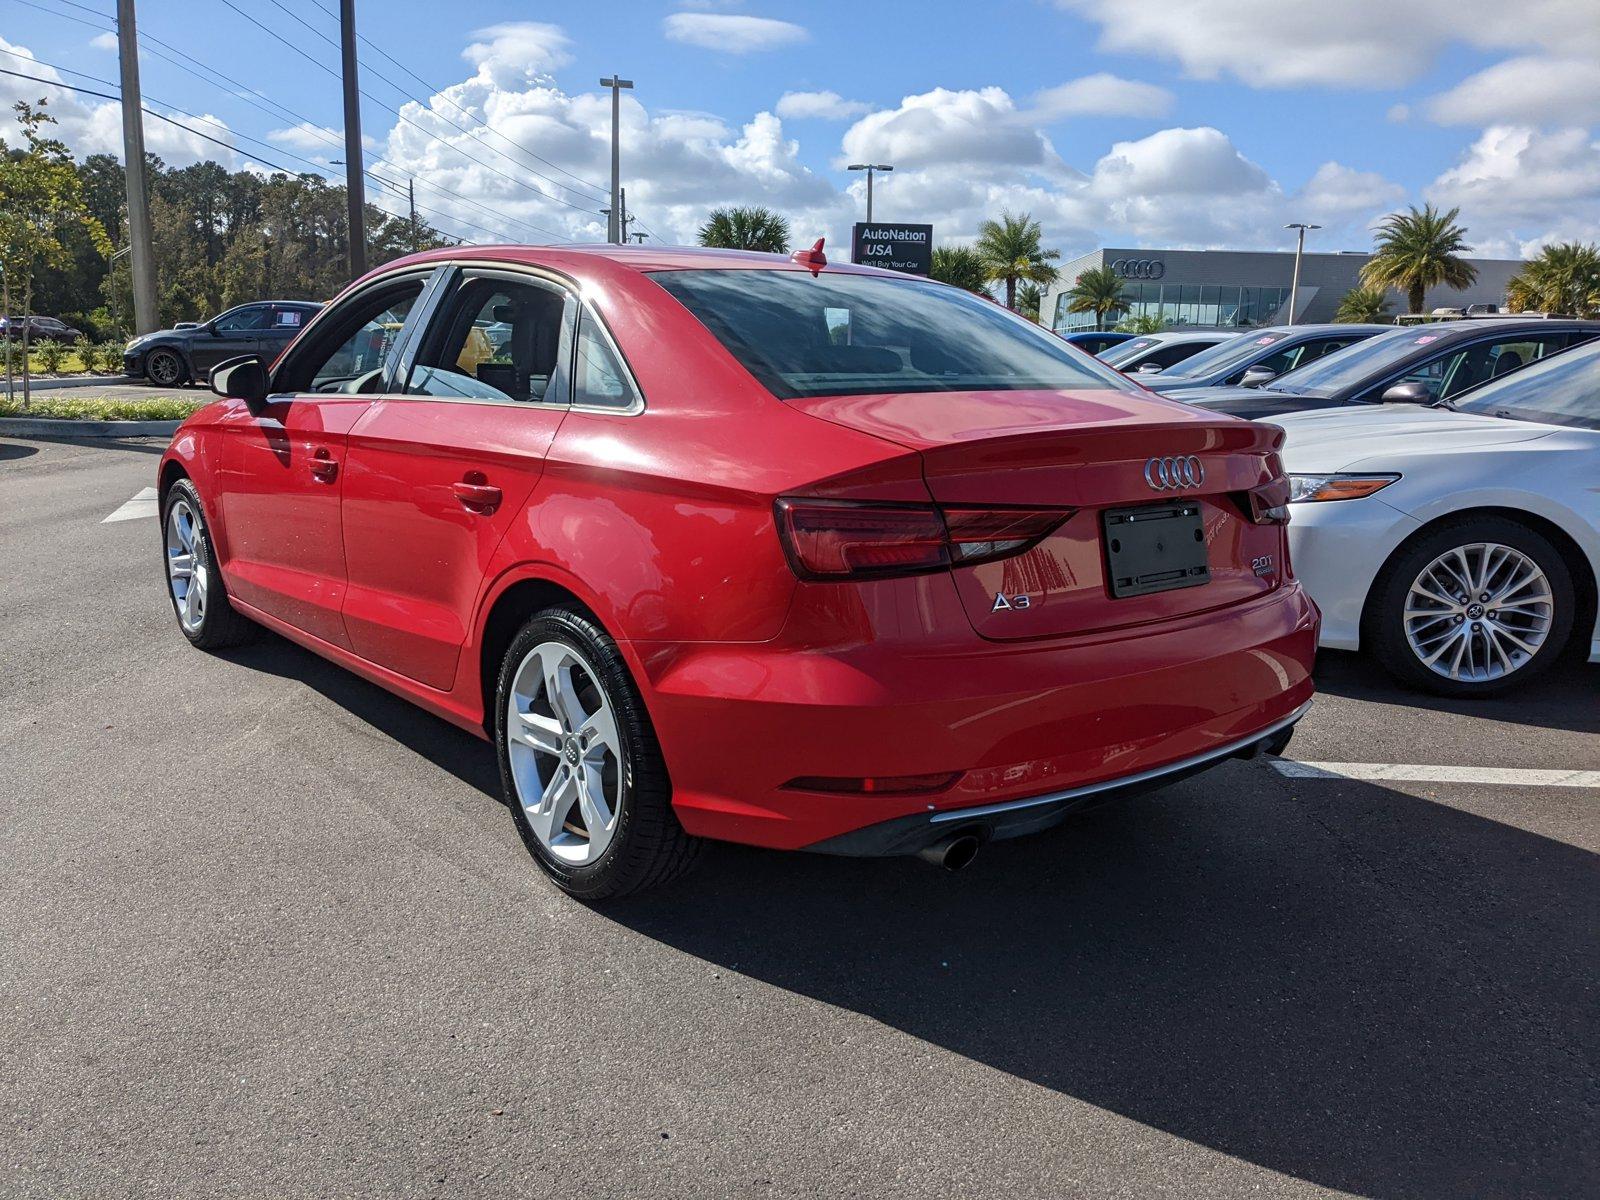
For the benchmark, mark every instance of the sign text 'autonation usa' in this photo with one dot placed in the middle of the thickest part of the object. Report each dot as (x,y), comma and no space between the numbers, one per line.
(898,247)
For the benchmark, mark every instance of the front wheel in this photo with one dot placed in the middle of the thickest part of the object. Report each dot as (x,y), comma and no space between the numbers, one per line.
(194,585)
(580,765)
(164,368)
(1474,607)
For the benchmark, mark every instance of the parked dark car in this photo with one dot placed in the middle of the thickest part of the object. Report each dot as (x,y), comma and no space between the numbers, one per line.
(1261,355)
(1092,341)
(1414,365)
(40,329)
(187,353)
(1151,352)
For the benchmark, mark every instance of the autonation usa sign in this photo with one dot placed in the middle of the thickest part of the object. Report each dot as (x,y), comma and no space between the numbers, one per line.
(1139,268)
(898,247)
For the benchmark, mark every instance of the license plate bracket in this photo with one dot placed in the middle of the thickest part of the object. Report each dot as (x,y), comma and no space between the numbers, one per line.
(1155,548)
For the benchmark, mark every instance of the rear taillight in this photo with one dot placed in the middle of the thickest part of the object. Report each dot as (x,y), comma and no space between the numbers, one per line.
(844,539)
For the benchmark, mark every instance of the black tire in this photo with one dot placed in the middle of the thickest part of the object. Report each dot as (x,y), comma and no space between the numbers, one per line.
(165,368)
(220,625)
(1384,632)
(649,847)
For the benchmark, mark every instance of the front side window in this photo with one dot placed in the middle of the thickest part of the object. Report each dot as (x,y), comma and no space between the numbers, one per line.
(352,348)
(245,320)
(497,339)
(849,335)
(1561,390)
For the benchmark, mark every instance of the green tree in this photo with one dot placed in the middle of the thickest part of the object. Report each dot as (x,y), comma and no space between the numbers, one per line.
(1363,305)
(1012,253)
(1417,250)
(1098,290)
(41,207)
(960,266)
(1029,298)
(1144,323)
(1562,278)
(752,228)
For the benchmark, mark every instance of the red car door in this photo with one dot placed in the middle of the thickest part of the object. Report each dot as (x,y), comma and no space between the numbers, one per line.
(435,476)
(283,466)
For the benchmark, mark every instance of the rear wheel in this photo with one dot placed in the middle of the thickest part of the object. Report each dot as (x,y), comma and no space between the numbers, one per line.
(580,764)
(194,585)
(1475,607)
(164,368)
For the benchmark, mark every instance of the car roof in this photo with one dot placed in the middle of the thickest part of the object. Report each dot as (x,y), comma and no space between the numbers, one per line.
(638,258)
(1490,326)
(1169,336)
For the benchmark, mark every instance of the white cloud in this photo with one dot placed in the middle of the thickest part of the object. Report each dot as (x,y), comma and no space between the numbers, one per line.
(1178,162)
(1104,95)
(104,41)
(309,139)
(732,33)
(828,106)
(1398,114)
(517,52)
(972,128)
(1516,183)
(1530,90)
(1364,43)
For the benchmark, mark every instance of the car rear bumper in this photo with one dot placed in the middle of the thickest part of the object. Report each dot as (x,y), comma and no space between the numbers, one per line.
(1054,725)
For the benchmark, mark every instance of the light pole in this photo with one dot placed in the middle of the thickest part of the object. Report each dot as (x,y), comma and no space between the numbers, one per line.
(869,168)
(146,315)
(614,217)
(1299,249)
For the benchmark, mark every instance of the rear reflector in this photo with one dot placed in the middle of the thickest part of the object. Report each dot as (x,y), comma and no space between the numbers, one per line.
(842,539)
(877,785)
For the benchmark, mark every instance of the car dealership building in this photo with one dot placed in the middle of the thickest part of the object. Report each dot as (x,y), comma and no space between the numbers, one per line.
(1229,288)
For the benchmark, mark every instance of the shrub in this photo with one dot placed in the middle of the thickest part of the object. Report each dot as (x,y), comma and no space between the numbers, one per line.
(50,355)
(108,357)
(75,408)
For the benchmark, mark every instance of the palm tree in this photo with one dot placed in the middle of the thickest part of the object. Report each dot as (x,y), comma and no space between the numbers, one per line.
(1419,250)
(1143,323)
(1564,278)
(1098,290)
(960,266)
(1011,253)
(752,228)
(1363,305)
(1029,298)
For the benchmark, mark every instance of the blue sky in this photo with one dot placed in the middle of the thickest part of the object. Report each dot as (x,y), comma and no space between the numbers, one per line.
(1146,122)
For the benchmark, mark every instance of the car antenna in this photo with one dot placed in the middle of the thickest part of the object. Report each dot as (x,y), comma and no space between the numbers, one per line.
(813,258)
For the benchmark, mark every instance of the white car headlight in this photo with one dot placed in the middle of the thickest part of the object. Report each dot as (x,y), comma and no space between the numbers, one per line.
(1310,489)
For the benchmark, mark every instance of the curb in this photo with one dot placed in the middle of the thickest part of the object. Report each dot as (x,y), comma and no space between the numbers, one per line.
(73,381)
(29,427)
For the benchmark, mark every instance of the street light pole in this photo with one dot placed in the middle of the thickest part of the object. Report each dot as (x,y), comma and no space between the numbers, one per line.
(869,168)
(354,185)
(614,217)
(1299,250)
(146,316)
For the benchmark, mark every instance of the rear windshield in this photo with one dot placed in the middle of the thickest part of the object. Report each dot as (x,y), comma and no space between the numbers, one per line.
(850,335)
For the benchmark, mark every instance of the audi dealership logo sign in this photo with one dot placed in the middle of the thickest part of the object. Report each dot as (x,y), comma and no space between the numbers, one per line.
(1139,268)
(1170,474)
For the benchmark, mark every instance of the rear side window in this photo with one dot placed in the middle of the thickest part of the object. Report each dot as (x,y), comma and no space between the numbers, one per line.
(848,335)
(599,378)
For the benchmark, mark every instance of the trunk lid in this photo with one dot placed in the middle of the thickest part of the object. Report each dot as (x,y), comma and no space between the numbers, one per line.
(1085,451)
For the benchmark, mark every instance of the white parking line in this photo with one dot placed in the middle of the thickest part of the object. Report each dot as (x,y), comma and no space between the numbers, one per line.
(141,506)
(1407,773)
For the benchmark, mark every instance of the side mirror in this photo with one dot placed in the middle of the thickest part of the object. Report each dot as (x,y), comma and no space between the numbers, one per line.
(1407,393)
(1256,376)
(242,378)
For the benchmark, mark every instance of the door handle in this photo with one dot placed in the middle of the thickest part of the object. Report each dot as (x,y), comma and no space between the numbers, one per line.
(323,467)
(477,495)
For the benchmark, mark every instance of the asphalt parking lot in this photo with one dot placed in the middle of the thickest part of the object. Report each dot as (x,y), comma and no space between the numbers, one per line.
(269,932)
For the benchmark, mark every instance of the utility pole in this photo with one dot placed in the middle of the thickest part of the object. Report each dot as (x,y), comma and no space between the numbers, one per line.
(614,217)
(870,169)
(146,317)
(1299,249)
(411,200)
(354,185)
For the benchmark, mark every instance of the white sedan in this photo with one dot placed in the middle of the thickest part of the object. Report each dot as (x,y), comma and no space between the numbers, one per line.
(1459,544)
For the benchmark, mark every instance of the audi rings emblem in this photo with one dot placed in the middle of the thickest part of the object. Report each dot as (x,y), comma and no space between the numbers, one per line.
(1139,268)
(1170,474)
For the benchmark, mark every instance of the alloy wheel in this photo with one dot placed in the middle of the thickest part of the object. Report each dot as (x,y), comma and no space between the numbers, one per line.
(164,368)
(565,752)
(187,572)
(1478,612)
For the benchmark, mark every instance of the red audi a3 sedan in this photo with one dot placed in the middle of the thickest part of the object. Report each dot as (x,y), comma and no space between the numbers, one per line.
(716,545)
